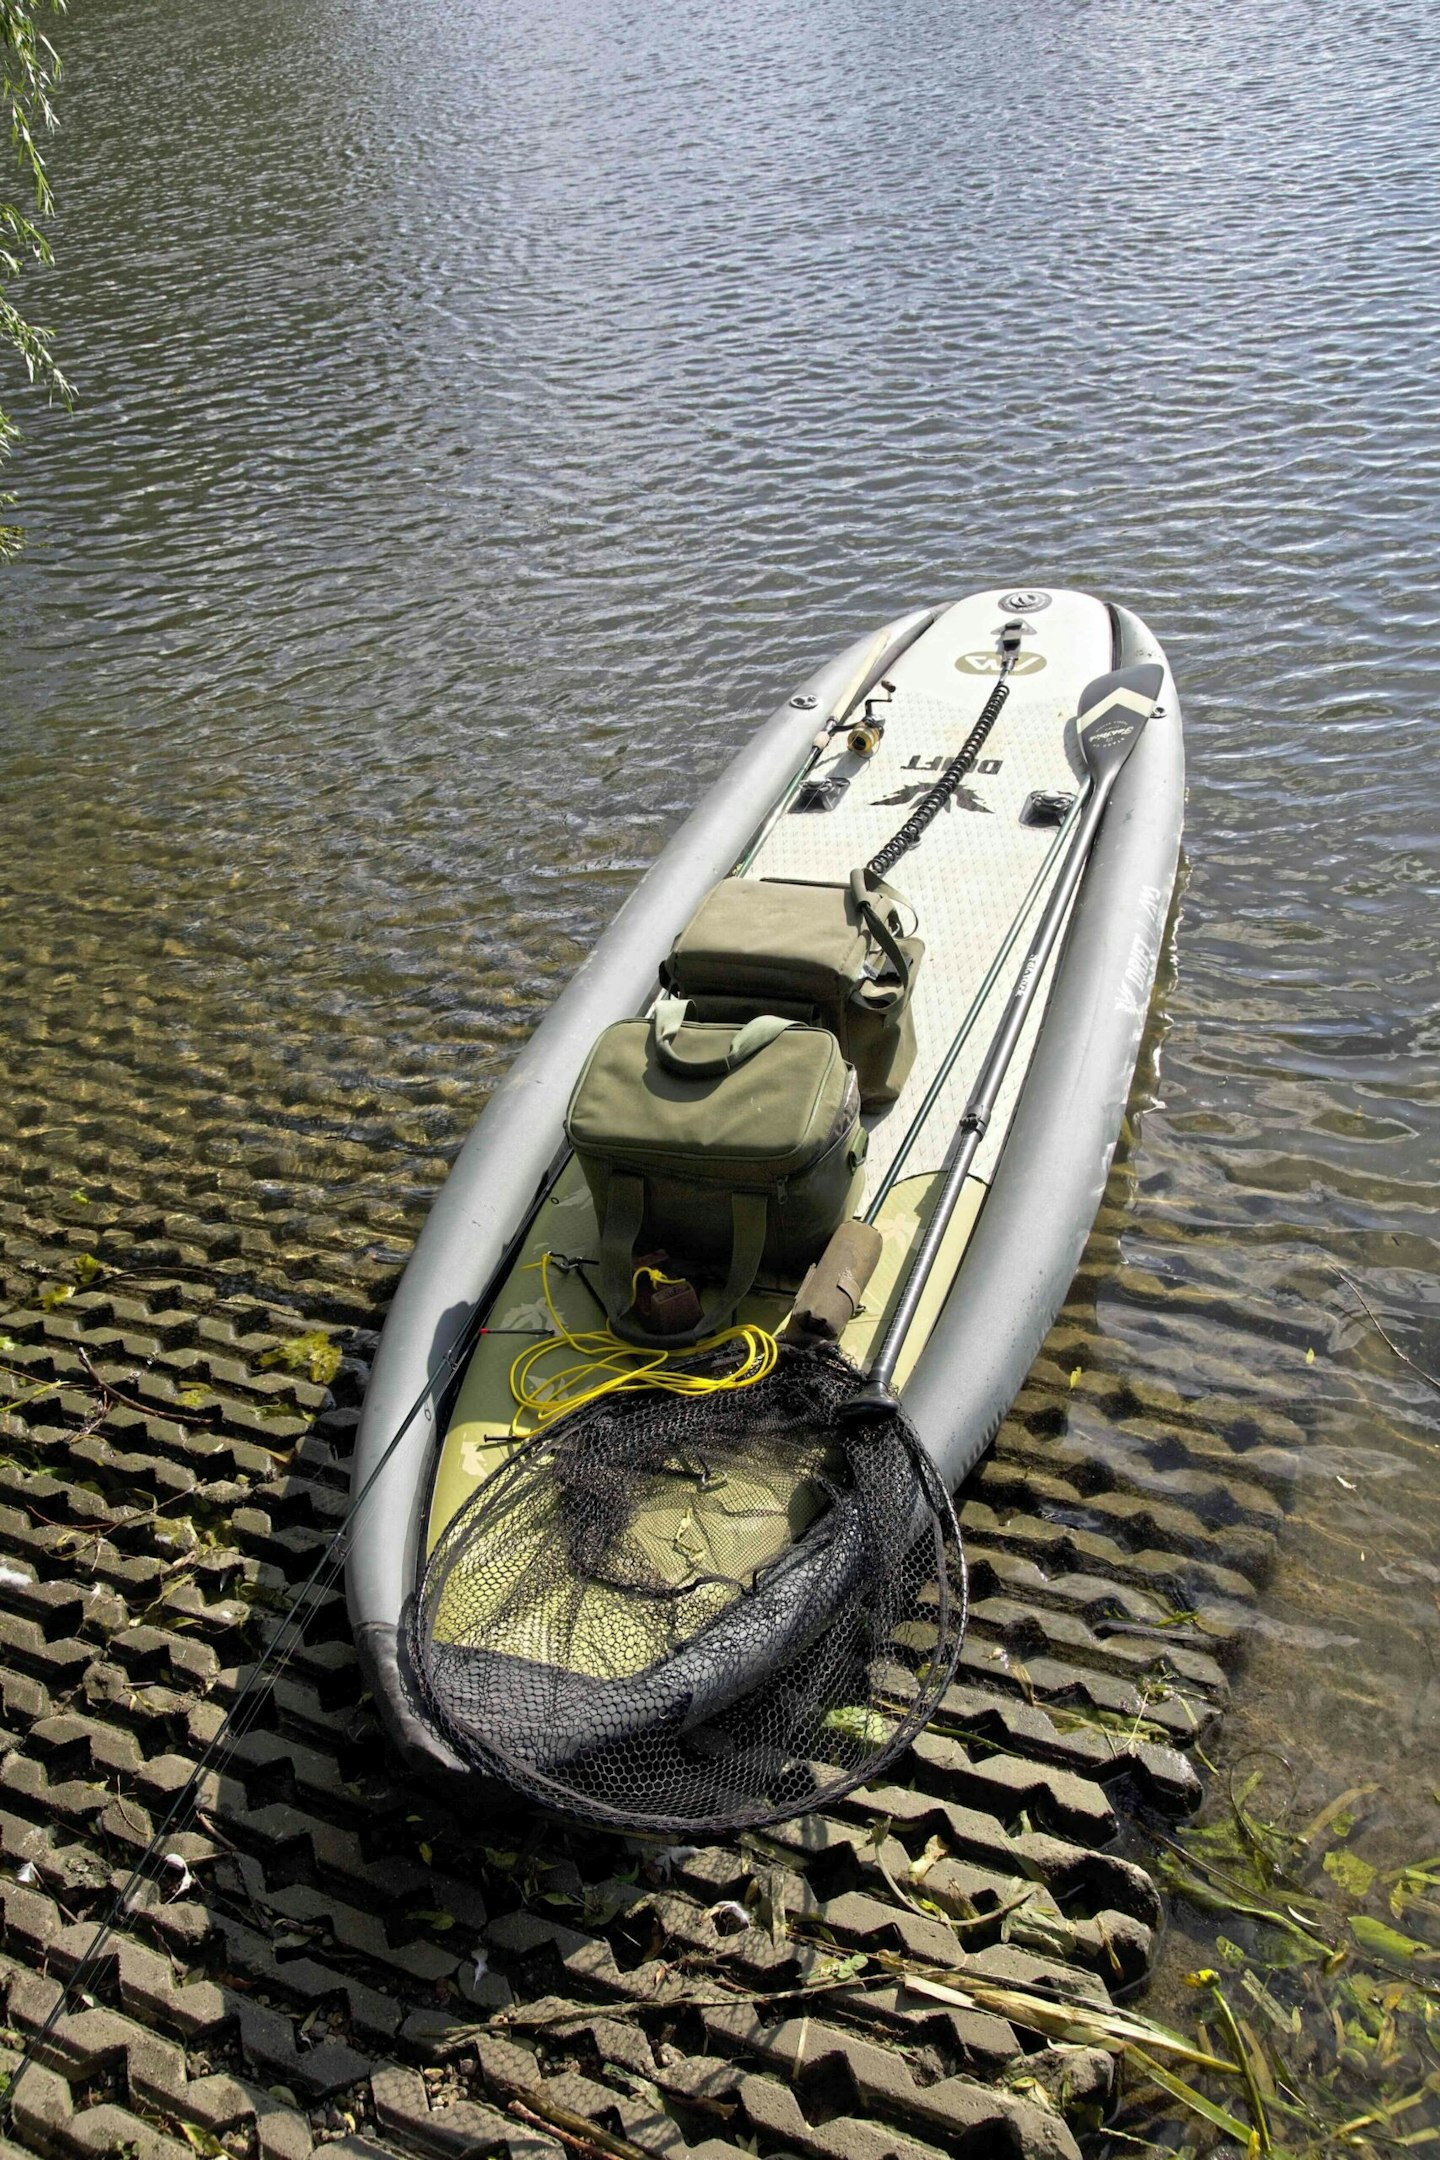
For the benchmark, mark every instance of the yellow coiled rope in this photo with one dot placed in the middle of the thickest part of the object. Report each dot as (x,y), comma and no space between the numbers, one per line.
(609,1366)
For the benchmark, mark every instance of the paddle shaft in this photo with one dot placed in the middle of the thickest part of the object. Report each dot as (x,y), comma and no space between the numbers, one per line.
(977,1005)
(876,1396)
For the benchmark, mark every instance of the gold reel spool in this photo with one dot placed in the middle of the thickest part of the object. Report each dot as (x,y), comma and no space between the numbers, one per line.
(864,737)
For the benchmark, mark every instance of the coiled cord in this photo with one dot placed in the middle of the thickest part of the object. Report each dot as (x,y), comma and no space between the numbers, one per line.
(928,809)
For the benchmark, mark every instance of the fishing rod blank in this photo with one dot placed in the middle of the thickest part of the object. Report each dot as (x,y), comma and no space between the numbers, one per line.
(881,656)
(1119,706)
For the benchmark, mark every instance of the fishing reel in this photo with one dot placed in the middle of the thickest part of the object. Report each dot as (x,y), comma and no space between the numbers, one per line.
(864,738)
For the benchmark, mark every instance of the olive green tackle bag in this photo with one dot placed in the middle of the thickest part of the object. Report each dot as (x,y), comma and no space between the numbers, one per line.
(833,955)
(731,1151)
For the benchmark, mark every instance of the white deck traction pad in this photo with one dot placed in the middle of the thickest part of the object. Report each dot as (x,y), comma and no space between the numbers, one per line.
(973,868)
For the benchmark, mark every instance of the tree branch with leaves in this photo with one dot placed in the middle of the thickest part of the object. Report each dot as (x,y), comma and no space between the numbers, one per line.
(29,73)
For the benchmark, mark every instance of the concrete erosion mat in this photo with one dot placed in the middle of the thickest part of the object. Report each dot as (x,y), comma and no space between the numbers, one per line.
(345,1958)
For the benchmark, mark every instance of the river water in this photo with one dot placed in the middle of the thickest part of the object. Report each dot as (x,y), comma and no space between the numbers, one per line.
(488,411)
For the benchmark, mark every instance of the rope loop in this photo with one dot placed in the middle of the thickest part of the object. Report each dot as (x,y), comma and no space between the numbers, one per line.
(608,1366)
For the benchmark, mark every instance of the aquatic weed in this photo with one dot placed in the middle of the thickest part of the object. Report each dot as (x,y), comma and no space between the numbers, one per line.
(314,1354)
(1327,2005)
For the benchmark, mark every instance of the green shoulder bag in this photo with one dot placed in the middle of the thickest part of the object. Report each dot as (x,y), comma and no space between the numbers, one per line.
(833,955)
(729,1150)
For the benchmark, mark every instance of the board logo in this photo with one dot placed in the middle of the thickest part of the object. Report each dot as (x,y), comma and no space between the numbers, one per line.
(990,663)
(1025,603)
(962,798)
(937,764)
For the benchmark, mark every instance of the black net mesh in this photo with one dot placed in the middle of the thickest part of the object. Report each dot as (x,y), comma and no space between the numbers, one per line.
(696,1613)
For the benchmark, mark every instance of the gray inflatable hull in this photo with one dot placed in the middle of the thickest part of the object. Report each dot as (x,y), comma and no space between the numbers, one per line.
(1031,1232)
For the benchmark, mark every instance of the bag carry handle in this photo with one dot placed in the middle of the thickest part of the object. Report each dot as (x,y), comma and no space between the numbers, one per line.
(665,1026)
(619,1234)
(880,930)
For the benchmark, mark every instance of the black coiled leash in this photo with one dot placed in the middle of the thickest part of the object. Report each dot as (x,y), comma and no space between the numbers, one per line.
(929,807)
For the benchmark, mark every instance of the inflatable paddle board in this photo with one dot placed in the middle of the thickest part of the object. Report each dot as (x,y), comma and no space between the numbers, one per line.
(821,788)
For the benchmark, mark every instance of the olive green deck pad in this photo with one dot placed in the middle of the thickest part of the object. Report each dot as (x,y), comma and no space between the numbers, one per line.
(671,1610)
(696,1541)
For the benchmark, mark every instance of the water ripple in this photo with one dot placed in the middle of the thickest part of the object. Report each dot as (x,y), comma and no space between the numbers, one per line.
(488,412)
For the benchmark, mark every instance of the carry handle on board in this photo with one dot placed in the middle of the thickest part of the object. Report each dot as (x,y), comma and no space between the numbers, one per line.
(1115,709)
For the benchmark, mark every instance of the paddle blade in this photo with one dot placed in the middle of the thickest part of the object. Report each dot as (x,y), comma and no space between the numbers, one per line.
(1115,708)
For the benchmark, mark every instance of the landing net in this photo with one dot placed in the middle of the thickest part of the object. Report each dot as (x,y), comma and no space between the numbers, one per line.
(672,1613)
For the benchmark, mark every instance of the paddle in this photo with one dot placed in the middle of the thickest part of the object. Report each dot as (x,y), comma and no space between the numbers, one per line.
(1115,708)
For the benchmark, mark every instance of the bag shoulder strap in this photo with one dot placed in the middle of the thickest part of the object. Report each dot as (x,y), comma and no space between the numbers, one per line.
(875,923)
(619,1235)
(667,1021)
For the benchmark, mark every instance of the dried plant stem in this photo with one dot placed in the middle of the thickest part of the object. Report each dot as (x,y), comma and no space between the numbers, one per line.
(1430,1379)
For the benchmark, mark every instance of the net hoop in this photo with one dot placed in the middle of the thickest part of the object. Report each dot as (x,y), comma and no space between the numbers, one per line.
(563,1641)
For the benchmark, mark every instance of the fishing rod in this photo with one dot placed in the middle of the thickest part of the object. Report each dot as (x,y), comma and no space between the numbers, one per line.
(242,1714)
(880,656)
(936,797)
(1118,707)
(977,1005)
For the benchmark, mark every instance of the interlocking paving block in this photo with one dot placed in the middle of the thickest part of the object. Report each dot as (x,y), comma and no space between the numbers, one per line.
(1060,1537)
(402,2106)
(331,1960)
(828,2074)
